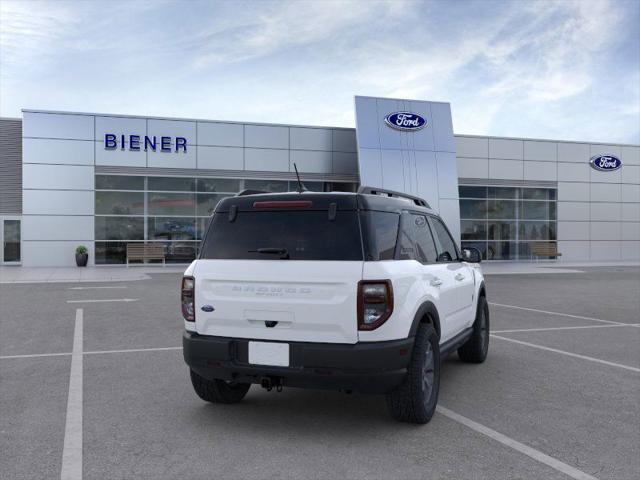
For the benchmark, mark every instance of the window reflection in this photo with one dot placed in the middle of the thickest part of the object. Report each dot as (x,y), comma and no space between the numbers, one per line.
(503,222)
(171,211)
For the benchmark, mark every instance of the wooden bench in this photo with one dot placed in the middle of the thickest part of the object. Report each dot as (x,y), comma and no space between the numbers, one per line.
(545,249)
(142,252)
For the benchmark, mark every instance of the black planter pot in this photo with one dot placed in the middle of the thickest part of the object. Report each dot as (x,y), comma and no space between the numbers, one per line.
(82,259)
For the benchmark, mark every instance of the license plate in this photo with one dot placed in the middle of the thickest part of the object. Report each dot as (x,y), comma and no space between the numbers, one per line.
(269,353)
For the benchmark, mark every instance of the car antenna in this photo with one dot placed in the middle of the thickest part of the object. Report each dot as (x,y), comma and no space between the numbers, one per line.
(301,187)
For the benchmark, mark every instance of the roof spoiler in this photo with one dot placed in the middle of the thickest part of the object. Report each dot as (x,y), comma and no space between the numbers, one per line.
(390,193)
(250,192)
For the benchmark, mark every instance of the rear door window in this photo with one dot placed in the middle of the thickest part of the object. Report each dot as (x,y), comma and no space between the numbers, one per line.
(447,251)
(380,234)
(416,240)
(274,235)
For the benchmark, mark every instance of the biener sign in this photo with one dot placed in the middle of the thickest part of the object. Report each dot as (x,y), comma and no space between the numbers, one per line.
(139,142)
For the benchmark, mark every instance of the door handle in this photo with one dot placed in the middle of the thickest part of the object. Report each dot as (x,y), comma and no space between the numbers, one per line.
(436,282)
(459,277)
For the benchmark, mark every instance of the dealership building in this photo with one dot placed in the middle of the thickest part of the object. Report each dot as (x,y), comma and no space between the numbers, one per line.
(112,181)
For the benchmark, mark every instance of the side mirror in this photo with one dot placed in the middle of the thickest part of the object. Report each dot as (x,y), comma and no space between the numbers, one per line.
(444,257)
(471,255)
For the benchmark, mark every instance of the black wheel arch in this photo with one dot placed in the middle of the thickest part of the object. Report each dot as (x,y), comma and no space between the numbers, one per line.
(482,291)
(427,313)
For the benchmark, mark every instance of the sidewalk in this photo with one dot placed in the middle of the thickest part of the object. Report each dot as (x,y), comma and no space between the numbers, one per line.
(11,274)
(549,266)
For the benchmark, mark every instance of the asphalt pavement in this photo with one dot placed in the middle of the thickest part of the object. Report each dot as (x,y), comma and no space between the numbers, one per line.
(556,398)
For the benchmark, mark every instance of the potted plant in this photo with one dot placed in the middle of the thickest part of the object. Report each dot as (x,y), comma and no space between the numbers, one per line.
(82,256)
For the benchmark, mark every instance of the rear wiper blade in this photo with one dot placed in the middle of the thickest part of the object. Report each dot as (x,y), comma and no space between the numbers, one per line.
(284,254)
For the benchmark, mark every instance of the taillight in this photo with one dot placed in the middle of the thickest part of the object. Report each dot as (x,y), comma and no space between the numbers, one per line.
(187,299)
(375,303)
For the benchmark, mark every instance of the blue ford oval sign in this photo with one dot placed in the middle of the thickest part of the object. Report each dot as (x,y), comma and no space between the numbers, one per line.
(605,163)
(405,121)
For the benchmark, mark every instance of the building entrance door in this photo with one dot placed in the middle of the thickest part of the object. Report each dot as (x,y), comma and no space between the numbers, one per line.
(10,233)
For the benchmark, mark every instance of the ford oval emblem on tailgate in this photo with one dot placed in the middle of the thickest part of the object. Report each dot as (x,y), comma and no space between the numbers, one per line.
(207,308)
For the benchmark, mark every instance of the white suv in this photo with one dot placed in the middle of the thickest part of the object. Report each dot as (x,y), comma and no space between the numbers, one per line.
(350,291)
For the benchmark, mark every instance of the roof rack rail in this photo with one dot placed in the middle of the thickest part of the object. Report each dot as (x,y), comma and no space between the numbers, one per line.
(390,193)
(250,192)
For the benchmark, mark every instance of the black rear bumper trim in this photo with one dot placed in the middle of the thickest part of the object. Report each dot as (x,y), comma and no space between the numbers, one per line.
(369,367)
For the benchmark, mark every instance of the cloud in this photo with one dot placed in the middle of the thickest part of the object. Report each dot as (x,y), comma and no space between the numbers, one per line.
(508,68)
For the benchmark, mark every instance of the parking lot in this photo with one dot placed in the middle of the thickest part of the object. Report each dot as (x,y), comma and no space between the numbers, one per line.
(93,385)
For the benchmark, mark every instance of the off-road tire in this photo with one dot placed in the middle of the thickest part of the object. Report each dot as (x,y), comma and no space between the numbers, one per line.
(475,349)
(218,391)
(413,401)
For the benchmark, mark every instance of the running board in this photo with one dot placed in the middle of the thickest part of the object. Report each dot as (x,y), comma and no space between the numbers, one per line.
(456,342)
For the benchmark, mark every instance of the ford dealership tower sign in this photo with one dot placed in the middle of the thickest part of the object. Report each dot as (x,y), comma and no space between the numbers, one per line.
(405,121)
(408,146)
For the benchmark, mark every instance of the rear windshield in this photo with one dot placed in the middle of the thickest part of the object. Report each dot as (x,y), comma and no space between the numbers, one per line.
(276,235)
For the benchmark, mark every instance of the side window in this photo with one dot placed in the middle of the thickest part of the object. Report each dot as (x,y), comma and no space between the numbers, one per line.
(380,233)
(416,242)
(447,251)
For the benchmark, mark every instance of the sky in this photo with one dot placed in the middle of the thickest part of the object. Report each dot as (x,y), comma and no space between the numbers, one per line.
(541,69)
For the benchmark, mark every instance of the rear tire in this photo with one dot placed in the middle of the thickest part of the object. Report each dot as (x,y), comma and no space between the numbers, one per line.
(476,348)
(414,401)
(218,391)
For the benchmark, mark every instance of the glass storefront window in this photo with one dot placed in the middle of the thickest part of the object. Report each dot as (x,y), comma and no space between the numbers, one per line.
(207,203)
(267,185)
(537,231)
(119,203)
(472,192)
(311,186)
(107,253)
(501,251)
(229,185)
(538,194)
(170,228)
(119,228)
(501,231)
(119,182)
(171,204)
(501,209)
(502,192)
(473,229)
(177,184)
(180,252)
(202,224)
(503,222)
(172,211)
(473,208)
(538,210)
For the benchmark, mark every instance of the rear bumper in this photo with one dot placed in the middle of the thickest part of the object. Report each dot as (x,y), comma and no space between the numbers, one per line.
(375,367)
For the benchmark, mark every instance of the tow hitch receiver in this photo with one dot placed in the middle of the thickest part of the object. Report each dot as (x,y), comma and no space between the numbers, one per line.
(270,383)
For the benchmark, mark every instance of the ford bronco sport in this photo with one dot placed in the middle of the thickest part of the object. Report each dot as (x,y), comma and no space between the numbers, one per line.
(350,291)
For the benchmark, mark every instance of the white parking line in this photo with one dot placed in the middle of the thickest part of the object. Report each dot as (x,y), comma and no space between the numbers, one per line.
(575,355)
(105,300)
(515,445)
(560,314)
(158,349)
(548,329)
(95,288)
(72,449)
(34,355)
(93,352)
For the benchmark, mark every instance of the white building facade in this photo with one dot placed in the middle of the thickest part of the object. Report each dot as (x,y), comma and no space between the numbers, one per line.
(105,181)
